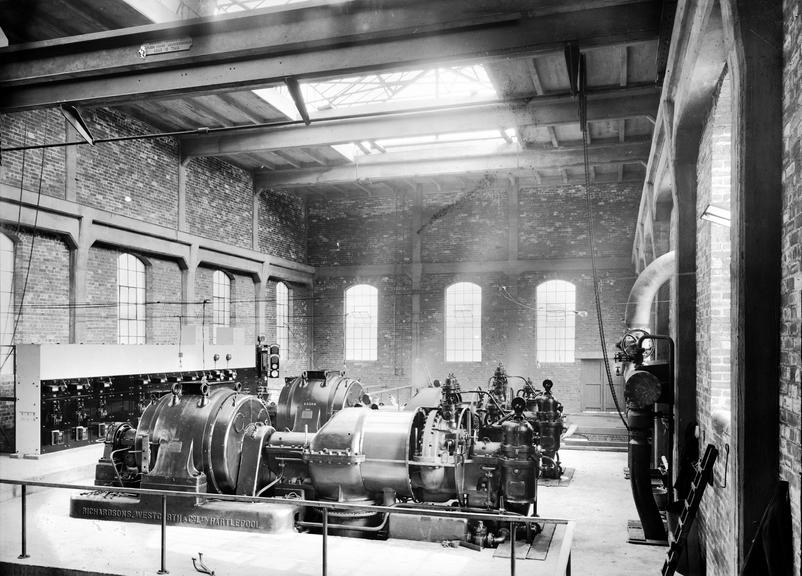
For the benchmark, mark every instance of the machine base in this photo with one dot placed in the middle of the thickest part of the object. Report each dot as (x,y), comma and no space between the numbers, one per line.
(635,535)
(246,517)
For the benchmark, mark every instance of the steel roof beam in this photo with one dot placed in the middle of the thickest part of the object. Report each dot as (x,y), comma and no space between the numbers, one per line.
(264,47)
(615,104)
(453,160)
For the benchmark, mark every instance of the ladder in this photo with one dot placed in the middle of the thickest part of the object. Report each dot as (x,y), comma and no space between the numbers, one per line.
(703,477)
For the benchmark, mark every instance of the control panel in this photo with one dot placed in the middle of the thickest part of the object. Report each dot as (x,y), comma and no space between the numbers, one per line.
(66,395)
(77,412)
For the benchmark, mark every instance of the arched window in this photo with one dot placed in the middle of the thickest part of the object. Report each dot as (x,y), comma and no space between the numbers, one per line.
(221,298)
(130,299)
(556,315)
(463,322)
(283,319)
(6,303)
(361,322)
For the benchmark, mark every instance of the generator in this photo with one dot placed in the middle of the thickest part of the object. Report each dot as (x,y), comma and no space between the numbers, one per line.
(323,441)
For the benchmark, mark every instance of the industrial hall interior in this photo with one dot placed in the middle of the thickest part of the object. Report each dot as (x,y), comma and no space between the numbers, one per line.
(392,287)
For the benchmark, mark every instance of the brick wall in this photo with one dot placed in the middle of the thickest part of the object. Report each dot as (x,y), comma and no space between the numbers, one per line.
(468,225)
(203,315)
(45,317)
(30,128)
(339,226)
(219,207)
(790,353)
(508,329)
(100,317)
(553,220)
(716,518)
(163,292)
(282,225)
(299,356)
(220,201)
(243,308)
(471,224)
(392,367)
(146,171)
(473,227)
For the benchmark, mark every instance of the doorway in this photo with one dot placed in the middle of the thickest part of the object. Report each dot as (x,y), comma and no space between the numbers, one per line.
(596,396)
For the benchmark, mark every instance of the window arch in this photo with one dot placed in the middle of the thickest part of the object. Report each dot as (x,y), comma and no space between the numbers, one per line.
(361,322)
(464,322)
(283,319)
(556,316)
(221,298)
(130,299)
(6,303)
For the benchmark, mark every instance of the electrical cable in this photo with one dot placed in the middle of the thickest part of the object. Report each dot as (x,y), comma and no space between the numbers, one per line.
(30,258)
(583,105)
(8,316)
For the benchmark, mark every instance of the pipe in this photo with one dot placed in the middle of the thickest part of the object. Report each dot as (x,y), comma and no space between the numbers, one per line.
(163,569)
(23,521)
(649,281)
(356,528)
(640,424)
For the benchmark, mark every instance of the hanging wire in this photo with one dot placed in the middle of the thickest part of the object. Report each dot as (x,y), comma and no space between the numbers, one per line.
(583,121)
(30,254)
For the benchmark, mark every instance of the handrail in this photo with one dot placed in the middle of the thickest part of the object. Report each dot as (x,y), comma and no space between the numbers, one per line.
(293,501)
(325,506)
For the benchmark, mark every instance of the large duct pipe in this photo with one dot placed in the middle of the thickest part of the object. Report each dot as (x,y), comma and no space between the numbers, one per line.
(642,390)
(639,304)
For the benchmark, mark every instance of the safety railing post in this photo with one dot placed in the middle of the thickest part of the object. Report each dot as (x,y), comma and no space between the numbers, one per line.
(24,503)
(512,548)
(163,569)
(325,539)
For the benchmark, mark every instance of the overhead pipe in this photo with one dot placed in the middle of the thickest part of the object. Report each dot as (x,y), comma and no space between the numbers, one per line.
(641,297)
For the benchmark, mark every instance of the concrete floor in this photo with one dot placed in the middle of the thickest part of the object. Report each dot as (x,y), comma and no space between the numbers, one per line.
(598,499)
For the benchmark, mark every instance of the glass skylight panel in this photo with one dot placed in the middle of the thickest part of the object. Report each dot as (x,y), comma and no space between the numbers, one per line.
(389,91)
(405,89)
(432,140)
(229,6)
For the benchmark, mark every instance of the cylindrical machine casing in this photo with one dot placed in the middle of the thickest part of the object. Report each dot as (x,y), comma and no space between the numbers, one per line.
(519,480)
(361,452)
(196,433)
(517,438)
(550,433)
(310,400)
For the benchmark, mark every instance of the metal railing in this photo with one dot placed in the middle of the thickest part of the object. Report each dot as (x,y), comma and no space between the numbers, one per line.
(323,506)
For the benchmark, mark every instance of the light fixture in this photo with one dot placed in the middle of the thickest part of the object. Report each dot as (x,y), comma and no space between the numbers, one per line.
(716,215)
(74,118)
(127,198)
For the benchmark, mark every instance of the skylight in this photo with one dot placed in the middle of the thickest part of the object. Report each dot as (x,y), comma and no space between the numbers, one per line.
(228,6)
(401,89)
(388,145)
(394,91)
